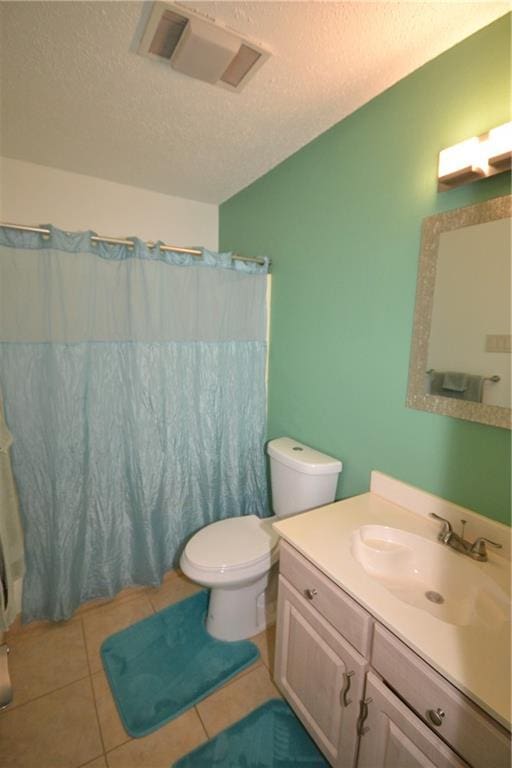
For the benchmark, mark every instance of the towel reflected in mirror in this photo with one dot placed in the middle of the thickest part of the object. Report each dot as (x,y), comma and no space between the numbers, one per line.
(454,384)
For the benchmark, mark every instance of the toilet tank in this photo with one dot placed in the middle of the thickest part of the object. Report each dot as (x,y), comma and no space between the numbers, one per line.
(301,477)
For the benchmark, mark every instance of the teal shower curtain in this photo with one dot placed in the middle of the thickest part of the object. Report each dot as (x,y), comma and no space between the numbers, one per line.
(133,383)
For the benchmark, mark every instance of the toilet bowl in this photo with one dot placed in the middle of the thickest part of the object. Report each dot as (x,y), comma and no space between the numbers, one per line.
(236,558)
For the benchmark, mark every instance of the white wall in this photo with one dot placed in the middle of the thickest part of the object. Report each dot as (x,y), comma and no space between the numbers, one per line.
(36,194)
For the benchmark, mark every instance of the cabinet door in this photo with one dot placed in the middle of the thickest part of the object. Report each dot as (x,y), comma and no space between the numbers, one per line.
(320,674)
(394,737)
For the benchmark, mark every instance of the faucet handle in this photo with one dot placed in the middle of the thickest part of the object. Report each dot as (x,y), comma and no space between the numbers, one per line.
(446,530)
(478,549)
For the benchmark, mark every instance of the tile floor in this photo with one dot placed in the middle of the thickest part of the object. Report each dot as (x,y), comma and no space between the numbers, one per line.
(63,714)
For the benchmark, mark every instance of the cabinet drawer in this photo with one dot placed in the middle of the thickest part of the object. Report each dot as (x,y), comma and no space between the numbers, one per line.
(352,621)
(466,728)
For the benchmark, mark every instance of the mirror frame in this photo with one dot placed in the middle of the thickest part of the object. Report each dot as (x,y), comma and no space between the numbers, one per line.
(432,228)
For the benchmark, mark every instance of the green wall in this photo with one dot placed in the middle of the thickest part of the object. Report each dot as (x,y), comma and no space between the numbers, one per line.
(341,222)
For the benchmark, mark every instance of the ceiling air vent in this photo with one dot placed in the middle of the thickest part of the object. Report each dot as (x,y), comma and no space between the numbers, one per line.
(239,67)
(166,34)
(199,47)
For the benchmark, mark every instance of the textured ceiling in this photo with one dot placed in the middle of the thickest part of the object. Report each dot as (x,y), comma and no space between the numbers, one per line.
(75,95)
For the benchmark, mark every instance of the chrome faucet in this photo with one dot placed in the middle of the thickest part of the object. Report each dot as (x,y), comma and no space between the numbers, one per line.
(477,550)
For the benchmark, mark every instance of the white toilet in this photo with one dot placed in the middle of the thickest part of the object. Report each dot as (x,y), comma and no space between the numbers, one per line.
(234,557)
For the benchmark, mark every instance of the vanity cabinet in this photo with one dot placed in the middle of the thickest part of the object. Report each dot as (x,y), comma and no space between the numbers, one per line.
(365,697)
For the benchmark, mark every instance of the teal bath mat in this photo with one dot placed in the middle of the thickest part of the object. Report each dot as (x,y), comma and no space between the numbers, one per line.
(269,737)
(163,665)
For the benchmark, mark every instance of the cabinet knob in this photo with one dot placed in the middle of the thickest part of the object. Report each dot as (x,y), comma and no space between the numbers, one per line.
(436,716)
(310,593)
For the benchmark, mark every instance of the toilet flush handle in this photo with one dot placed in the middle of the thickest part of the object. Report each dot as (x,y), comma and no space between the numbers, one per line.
(310,593)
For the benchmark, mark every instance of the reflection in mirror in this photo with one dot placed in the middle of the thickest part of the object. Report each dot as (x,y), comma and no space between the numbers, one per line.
(470,328)
(461,356)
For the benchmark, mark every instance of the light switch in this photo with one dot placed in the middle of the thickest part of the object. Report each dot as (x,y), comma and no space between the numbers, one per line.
(498,342)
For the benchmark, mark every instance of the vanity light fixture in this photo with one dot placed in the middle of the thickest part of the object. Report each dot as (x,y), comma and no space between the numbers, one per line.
(476,158)
(499,147)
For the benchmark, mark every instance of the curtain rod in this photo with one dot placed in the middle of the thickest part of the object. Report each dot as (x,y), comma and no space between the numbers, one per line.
(124,241)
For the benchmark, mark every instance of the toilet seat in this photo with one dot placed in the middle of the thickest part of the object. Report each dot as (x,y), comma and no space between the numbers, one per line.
(233,543)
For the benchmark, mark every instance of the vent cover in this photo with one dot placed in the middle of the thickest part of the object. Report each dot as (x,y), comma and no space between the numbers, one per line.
(166,35)
(241,65)
(200,48)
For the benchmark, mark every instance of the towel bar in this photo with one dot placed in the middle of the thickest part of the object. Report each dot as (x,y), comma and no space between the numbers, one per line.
(494,378)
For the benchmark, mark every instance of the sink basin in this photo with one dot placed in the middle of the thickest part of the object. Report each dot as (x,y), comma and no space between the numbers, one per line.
(430,576)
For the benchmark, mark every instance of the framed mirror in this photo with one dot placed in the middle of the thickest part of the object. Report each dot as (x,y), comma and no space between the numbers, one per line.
(460,354)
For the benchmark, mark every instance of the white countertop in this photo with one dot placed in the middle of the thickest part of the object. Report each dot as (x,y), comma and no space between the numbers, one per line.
(476,659)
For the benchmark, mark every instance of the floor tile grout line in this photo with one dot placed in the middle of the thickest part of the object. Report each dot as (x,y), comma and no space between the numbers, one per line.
(117,746)
(84,638)
(137,591)
(202,723)
(112,606)
(13,706)
(98,722)
(154,609)
(92,760)
(233,682)
(243,672)
(157,608)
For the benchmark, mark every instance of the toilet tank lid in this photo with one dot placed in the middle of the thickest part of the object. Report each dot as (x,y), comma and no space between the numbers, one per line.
(302,458)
